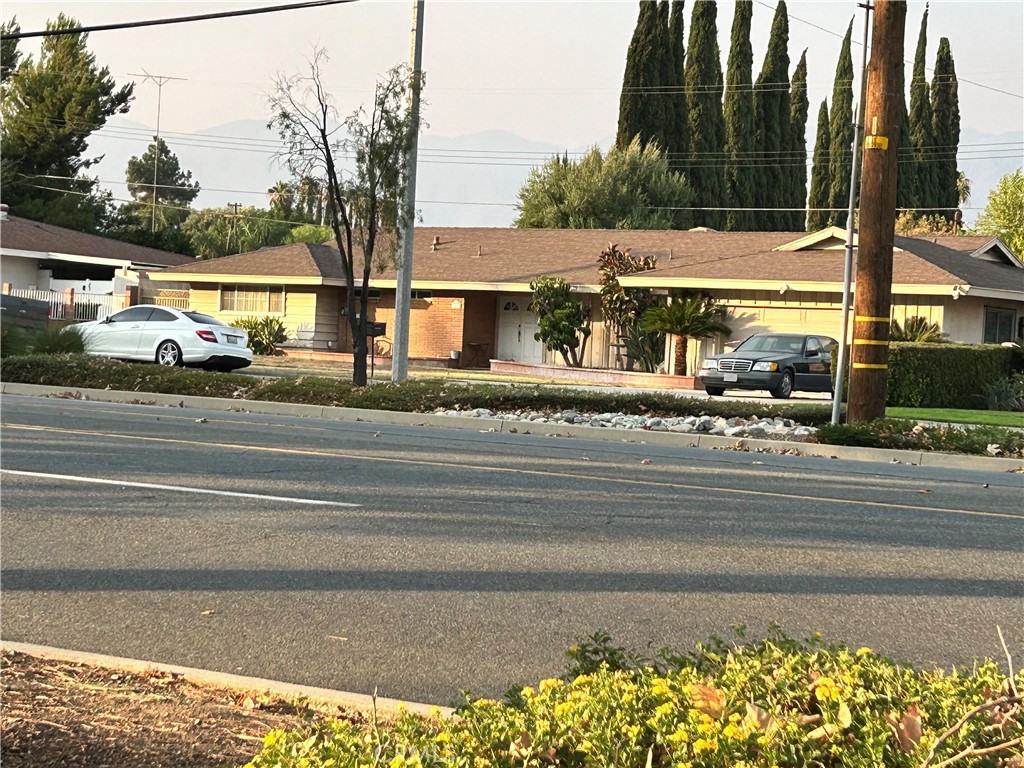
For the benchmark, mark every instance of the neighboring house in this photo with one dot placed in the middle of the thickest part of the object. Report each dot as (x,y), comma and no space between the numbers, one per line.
(471,286)
(43,257)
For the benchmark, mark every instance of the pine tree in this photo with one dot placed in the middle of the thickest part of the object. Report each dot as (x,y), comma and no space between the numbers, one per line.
(771,121)
(741,168)
(797,159)
(841,133)
(921,139)
(945,130)
(703,80)
(639,113)
(677,143)
(820,181)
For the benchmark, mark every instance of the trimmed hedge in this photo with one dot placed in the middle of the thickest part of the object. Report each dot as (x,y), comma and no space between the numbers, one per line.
(777,702)
(942,375)
(945,375)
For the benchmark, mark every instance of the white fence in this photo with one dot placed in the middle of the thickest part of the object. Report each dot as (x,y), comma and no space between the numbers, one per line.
(85,306)
(177,302)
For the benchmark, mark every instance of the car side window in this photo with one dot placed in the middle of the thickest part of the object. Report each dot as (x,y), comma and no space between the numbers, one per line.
(813,347)
(132,315)
(161,316)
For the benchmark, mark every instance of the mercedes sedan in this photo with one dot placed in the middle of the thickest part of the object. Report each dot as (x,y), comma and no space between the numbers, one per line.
(167,336)
(781,363)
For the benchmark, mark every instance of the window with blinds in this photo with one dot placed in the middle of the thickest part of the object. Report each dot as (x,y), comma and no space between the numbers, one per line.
(253,299)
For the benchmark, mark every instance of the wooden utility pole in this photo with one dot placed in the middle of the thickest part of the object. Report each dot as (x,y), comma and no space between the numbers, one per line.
(882,118)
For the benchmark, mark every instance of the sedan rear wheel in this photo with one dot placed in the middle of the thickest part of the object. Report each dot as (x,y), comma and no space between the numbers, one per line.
(785,388)
(168,353)
(715,391)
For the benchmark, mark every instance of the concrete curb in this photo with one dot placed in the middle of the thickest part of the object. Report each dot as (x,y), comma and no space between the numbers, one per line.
(686,439)
(358,701)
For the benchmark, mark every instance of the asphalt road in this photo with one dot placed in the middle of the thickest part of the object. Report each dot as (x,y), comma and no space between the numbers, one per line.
(420,562)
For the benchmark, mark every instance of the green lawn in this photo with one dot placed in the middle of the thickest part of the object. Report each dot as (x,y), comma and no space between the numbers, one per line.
(959,416)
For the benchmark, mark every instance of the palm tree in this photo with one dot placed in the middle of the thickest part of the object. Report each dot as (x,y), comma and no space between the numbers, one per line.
(917,329)
(689,317)
(282,197)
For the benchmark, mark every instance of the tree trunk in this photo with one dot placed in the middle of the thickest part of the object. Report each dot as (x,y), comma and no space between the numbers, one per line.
(680,355)
(359,361)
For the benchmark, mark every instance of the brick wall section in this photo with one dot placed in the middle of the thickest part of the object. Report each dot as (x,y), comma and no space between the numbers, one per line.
(435,326)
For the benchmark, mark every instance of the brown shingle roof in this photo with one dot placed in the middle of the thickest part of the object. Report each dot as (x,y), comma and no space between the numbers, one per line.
(516,256)
(27,235)
(295,260)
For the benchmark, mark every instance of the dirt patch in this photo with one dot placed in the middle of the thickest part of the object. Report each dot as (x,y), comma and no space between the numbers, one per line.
(59,713)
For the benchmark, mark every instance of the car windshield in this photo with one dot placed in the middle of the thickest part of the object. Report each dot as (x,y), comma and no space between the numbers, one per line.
(199,317)
(785,344)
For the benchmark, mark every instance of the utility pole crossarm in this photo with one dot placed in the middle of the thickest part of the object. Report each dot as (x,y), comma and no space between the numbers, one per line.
(159,80)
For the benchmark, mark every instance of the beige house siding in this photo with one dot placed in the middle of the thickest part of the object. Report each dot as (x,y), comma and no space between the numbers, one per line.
(964,318)
(307,316)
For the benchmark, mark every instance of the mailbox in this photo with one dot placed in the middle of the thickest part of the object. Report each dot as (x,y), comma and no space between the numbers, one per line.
(376,329)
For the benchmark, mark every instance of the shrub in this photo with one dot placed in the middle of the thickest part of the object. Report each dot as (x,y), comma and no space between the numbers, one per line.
(916,329)
(944,375)
(265,333)
(1006,394)
(13,340)
(772,702)
(57,339)
(903,434)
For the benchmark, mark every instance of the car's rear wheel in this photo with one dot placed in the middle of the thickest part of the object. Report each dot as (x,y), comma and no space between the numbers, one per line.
(785,388)
(715,391)
(168,353)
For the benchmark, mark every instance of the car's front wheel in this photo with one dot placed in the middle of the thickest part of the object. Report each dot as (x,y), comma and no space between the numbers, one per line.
(785,388)
(168,353)
(715,391)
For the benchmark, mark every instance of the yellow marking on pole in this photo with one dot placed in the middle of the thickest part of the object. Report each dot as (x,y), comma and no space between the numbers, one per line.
(875,366)
(818,498)
(876,142)
(876,342)
(870,319)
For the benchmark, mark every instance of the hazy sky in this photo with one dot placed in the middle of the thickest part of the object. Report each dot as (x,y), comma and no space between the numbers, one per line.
(547,71)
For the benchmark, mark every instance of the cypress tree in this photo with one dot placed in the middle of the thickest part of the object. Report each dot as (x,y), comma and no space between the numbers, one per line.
(640,113)
(907,194)
(797,158)
(741,165)
(841,131)
(921,138)
(946,130)
(771,122)
(664,109)
(820,182)
(677,142)
(703,79)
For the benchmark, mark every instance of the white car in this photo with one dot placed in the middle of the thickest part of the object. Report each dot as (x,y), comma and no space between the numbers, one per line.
(167,336)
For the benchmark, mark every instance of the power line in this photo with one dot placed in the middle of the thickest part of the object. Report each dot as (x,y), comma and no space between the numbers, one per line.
(173,20)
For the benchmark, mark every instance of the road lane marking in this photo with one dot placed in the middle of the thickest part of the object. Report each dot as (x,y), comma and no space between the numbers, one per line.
(533,472)
(180,488)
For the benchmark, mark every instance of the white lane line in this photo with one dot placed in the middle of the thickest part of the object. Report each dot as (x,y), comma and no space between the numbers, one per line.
(180,488)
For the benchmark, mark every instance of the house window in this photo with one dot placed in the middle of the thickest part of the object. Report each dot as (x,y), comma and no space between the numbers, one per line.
(422,295)
(372,293)
(999,325)
(258,299)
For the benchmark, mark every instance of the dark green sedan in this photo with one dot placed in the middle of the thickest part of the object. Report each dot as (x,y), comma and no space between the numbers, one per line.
(781,363)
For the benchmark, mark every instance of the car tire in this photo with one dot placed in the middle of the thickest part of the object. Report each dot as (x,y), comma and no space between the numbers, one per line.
(785,388)
(715,391)
(169,353)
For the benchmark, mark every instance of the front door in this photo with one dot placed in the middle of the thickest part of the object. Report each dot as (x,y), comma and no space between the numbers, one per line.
(516,328)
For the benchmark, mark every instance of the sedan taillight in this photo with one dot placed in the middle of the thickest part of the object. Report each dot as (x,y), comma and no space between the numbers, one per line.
(207,336)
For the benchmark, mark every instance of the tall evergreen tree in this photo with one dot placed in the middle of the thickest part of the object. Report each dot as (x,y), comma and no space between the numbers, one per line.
(9,53)
(771,121)
(797,159)
(921,138)
(946,130)
(841,133)
(677,142)
(820,181)
(741,165)
(640,110)
(50,107)
(907,194)
(703,78)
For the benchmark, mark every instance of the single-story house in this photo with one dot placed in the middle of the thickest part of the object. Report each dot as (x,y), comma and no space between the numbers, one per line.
(471,286)
(43,257)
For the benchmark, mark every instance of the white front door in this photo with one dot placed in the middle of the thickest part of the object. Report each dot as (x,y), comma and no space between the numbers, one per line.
(516,328)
